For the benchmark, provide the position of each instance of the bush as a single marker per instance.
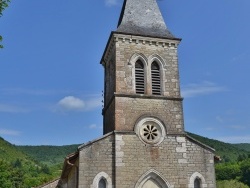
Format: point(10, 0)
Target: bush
point(230, 184)
point(228, 171)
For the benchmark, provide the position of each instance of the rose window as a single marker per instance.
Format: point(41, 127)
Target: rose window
point(150, 132)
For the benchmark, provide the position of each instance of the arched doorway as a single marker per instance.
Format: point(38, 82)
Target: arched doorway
point(152, 179)
point(151, 184)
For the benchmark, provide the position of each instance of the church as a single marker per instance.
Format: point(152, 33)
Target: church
point(144, 144)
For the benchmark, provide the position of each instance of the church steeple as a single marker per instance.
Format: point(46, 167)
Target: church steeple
point(142, 17)
point(141, 72)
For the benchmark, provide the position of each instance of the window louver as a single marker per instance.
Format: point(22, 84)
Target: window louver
point(156, 79)
point(139, 77)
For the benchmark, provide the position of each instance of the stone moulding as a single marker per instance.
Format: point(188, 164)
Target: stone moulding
point(156, 124)
point(193, 177)
point(146, 40)
point(154, 175)
point(98, 177)
point(137, 39)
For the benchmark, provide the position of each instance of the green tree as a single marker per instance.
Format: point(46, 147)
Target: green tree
point(3, 5)
point(230, 184)
point(17, 164)
point(245, 168)
point(5, 175)
point(242, 157)
point(228, 171)
point(45, 169)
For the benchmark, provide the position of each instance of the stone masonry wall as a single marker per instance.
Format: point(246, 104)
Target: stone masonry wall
point(72, 177)
point(109, 118)
point(94, 158)
point(110, 73)
point(129, 110)
point(175, 158)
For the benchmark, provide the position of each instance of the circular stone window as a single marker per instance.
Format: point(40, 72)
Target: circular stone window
point(150, 131)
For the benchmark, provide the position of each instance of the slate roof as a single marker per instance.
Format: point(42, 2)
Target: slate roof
point(142, 17)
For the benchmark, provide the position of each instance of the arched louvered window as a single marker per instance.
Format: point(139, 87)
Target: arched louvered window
point(197, 183)
point(139, 77)
point(102, 183)
point(156, 79)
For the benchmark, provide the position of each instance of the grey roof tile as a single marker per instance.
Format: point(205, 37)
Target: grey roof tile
point(142, 17)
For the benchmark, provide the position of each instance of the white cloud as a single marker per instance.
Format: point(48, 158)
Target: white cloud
point(204, 88)
point(9, 132)
point(111, 2)
point(93, 103)
point(71, 103)
point(93, 126)
point(12, 109)
point(235, 139)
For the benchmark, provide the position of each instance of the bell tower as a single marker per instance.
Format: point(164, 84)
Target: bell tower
point(141, 71)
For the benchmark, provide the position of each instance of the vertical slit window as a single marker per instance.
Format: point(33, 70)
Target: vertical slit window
point(156, 79)
point(102, 183)
point(197, 183)
point(139, 77)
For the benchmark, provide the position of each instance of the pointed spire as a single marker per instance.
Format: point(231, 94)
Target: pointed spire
point(142, 17)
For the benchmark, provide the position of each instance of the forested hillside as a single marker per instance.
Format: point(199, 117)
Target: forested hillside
point(18, 169)
point(243, 146)
point(10, 152)
point(49, 155)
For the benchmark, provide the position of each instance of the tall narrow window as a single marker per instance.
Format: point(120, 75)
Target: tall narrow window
point(102, 183)
point(156, 79)
point(197, 183)
point(139, 77)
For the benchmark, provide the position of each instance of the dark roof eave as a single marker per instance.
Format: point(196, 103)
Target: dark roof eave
point(116, 32)
point(152, 36)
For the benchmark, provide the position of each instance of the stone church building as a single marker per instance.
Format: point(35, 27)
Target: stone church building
point(144, 144)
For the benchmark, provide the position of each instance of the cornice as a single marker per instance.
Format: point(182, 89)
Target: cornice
point(137, 39)
point(139, 96)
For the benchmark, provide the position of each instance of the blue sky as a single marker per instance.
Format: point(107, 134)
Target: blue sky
point(51, 81)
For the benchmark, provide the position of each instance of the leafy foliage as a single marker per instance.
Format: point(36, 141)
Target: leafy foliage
point(243, 146)
point(3, 5)
point(19, 170)
point(11, 152)
point(228, 171)
point(245, 168)
point(230, 184)
point(49, 155)
point(238, 171)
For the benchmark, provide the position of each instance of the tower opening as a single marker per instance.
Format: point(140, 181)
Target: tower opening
point(156, 79)
point(139, 77)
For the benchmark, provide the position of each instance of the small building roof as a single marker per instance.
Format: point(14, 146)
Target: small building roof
point(142, 17)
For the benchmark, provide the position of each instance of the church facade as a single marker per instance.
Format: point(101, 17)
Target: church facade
point(144, 143)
